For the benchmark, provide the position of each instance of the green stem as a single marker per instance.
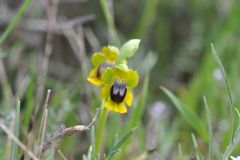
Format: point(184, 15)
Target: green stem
point(15, 21)
point(100, 128)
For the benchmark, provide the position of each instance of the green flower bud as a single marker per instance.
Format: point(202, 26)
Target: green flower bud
point(128, 49)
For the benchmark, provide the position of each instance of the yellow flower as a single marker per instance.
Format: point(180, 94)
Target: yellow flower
point(101, 61)
point(116, 90)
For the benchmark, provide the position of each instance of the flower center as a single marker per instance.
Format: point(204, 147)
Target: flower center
point(102, 67)
point(118, 91)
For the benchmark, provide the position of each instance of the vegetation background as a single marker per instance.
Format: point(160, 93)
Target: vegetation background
point(49, 43)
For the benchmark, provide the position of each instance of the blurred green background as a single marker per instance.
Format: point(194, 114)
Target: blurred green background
point(175, 52)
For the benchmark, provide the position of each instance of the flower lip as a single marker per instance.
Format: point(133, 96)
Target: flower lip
point(118, 91)
point(102, 67)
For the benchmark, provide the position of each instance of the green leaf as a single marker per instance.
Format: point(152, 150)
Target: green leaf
point(189, 116)
point(114, 149)
point(114, 143)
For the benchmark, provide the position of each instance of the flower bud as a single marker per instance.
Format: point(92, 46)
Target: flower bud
point(128, 49)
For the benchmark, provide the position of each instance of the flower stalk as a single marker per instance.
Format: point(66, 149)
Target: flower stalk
point(101, 127)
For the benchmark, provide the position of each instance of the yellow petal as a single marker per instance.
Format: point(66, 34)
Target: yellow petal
point(105, 91)
point(93, 72)
point(131, 78)
point(107, 76)
point(92, 77)
point(120, 108)
point(97, 59)
point(96, 81)
point(119, 73)
point(110, 53)
point(127, 75)
point(128, 98)
point(109, 104)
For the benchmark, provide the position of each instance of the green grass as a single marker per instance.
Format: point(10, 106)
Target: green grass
point(194, 121)
point(16, 130)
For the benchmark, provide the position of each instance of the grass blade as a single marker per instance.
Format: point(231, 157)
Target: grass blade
point(110, 22)
point(231, 146)
point(148, 14)
point(16, 131)
point(234, 142)
point(61, 155)
point(198, 154)
point(210, 129)
point(15, 21)
point(190, 117)
point(227, 88)
point(138, 110)
point(43, 123)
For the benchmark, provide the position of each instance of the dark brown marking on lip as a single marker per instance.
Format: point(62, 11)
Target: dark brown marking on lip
point(118, 92)
point(102, 67)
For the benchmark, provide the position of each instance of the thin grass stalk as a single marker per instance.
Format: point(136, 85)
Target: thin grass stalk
point(148, 14)
point(9, 143)
point(43, 123)
point(51, 15)
point(231, 146)
point(15, 21)
point(110, 21)
point(227, 88)
point(236, 140)
point(61, 155)
point(180, 152)
point(197, 152)
point(210, 129)
point(16, 130)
